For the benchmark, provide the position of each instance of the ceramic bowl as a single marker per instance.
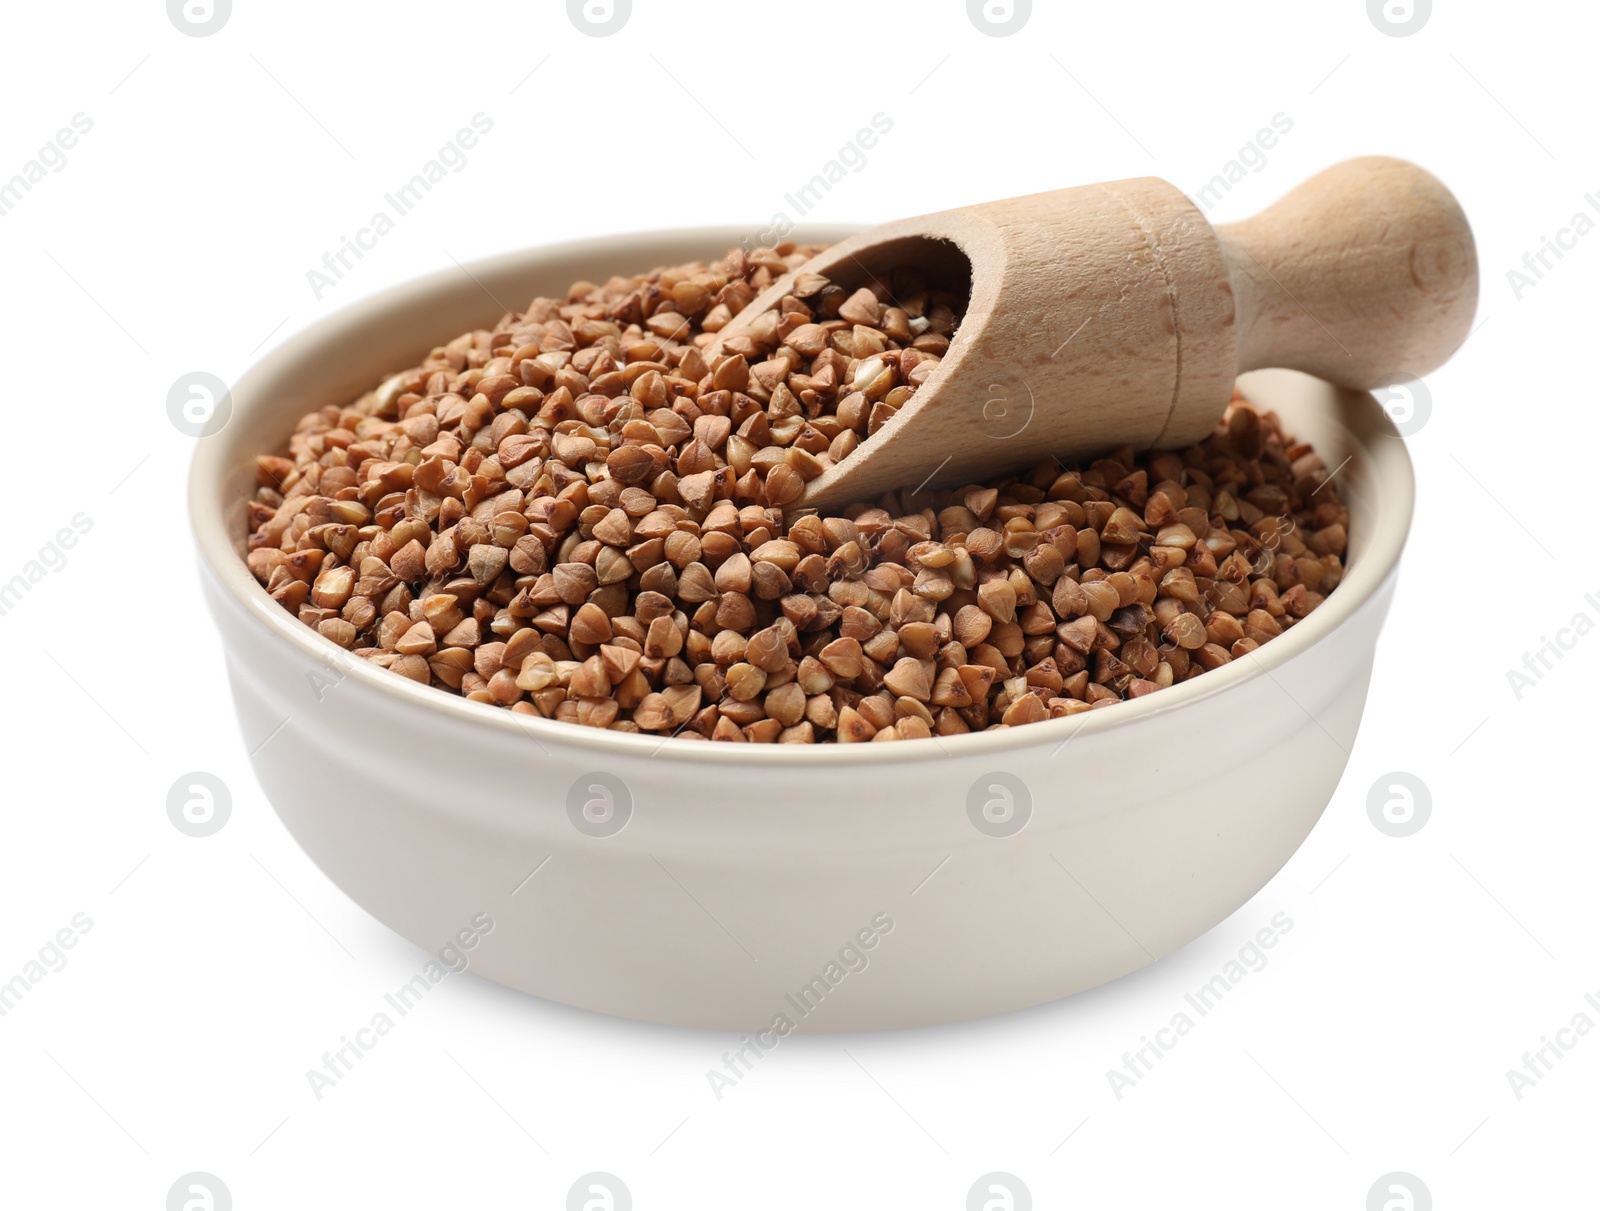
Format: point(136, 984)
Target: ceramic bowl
point(775, 888)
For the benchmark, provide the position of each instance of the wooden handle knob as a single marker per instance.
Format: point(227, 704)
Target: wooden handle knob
point(1363, 275)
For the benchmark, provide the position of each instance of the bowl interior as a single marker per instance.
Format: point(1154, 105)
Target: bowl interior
point(346, 354)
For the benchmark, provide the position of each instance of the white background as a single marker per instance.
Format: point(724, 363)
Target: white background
point(177, 238)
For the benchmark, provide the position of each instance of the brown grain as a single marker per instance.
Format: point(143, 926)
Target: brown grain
point(581, 514)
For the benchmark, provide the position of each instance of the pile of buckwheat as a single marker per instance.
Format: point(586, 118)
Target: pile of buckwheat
point(577, 515)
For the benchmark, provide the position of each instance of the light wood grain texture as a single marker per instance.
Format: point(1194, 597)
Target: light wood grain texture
point(1115, 313)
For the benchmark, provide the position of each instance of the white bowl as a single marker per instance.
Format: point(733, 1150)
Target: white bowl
point(745, 874)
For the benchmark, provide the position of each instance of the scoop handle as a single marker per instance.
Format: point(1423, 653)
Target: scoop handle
point(1364, 275)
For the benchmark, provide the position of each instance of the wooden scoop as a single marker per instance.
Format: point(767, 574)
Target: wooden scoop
point(1116, 314)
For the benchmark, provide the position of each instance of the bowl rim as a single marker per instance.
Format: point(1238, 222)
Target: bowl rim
point(1368, 427)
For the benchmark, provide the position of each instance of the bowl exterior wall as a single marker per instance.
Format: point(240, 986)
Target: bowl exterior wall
point(723, 899)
